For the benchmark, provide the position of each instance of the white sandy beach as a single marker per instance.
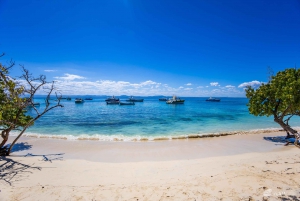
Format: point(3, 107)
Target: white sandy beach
point(238, 167)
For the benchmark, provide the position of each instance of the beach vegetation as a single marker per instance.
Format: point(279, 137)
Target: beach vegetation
point(16, 97)
point(279, 97)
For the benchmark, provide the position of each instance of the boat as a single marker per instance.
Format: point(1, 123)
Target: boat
point(213, 99)
point(131, 99)
point(79, 100)
point(113, 102)
point(162, 99)
point(88, 99)
point(30, 103)
point(175, 100)
point(127, 103)
point(69, 98)
point(112, 99)
point(33, 105)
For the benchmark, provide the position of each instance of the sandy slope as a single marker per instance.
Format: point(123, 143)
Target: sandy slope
point(244, 167)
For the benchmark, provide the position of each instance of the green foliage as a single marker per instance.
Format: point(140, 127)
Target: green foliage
point(280, 97)
point(12, 105)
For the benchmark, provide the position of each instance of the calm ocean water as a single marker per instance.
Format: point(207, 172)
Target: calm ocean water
point(151, 119)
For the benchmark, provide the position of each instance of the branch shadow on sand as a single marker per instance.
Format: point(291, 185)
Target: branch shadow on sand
point(14, 170)
point(278, 139)
point(47, 157)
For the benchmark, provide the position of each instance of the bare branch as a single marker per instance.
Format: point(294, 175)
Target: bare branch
point(287, 120)
point(14, 90)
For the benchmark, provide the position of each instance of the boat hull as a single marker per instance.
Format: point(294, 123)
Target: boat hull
point(175, 102)
point(78, 101)
point(129, 103)
point(135, 100)
point(213, 100)
point(112, 102)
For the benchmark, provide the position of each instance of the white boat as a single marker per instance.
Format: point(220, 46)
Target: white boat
point(112, 99)
point(175, 100)
point(79, 100)
point(213, 99)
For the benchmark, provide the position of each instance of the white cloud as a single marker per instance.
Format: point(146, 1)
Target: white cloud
point(230, 86)
point(50, 70)
point(70, 77)
point(188, 84)
point(253, 84)
point(215, 84)
point(70, 84)
point(149, 82)
point(110, 87)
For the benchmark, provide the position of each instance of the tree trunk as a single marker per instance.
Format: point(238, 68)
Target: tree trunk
point(289, 129)
point(13, 143)
point(5, 135)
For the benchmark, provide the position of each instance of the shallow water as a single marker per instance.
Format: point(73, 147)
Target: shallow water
point(151, 119)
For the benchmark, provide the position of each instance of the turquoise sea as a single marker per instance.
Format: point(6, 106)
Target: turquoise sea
point(148, 120)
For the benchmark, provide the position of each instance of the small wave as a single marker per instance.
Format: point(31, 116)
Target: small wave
point(136, 138)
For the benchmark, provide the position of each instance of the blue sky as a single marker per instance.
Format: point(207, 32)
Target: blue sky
point(149, 47)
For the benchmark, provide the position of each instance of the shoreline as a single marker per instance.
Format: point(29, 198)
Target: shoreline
point(236, 167)
point(97, 137)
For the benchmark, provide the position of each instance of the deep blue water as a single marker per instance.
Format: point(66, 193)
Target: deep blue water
point(149, 119)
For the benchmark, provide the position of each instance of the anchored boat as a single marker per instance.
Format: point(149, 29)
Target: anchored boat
point(175, 100)
point(79, 100)
point(131, 99)
point(213, 99)
point(112, 99)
